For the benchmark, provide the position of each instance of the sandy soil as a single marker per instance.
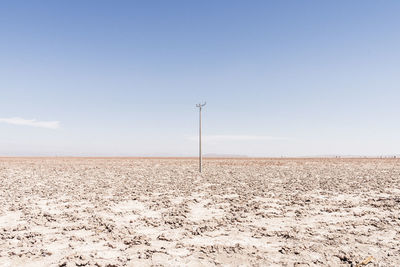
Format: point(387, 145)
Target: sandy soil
point(133, 212)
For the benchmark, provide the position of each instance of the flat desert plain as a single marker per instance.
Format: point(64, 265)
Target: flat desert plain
point(162, 212)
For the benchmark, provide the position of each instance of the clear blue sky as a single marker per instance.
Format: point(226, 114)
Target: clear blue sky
point(287, 78)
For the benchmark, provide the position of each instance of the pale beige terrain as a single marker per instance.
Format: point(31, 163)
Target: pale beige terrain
point(161, 212)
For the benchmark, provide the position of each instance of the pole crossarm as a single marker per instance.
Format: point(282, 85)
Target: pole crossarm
point(201, 105)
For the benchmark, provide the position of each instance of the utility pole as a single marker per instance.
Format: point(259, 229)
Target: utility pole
point(200, 106)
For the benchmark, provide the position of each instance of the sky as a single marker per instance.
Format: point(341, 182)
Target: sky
point(122, 78)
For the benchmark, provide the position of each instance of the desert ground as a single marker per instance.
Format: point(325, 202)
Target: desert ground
point(162, 212)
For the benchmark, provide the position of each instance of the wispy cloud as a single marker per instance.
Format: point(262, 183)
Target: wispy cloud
point(215, 138)
point(33, 123)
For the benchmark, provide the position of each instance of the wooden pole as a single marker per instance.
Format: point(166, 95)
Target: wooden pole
point(200, 106)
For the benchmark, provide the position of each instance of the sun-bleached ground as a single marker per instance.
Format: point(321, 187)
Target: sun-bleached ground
point(140, 212)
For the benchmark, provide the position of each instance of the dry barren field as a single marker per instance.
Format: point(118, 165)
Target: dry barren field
point(141, 212)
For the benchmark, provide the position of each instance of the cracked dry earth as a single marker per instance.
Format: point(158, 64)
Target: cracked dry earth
point(161, 212)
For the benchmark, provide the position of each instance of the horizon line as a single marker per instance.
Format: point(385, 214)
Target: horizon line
point(214, 157)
